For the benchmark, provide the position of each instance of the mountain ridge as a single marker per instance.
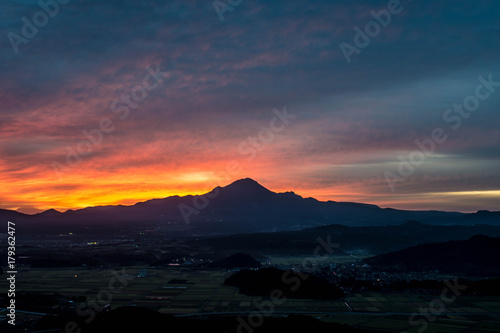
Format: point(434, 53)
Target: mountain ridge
point(242, 206)
point(469, 257)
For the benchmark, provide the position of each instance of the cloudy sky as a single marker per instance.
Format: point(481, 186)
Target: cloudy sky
point(119, 101)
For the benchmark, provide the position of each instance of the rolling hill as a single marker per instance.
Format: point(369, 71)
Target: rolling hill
point(474, 257)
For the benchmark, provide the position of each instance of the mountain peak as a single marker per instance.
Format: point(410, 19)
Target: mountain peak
point(246, 185)
point(413, 223)
point(480, 239)
point(49, 213)
point(244, 181)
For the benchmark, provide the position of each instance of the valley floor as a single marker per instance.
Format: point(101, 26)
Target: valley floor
point(187, 291)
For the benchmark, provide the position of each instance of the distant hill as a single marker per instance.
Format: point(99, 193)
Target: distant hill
point(241, 207)
point(477, 256)
point(290, 284)
point(238, 260)
point(371, 239)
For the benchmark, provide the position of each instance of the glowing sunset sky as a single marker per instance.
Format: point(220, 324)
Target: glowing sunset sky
point(219, 84)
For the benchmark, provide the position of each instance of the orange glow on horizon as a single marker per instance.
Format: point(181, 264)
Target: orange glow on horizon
point(91, 185)
point(109, 192)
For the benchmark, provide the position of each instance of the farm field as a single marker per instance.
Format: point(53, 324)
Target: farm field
point(332, 259)
point(188, 291)
point(465, 314)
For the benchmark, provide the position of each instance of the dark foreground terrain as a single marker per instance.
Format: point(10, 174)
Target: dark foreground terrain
point(134, 319)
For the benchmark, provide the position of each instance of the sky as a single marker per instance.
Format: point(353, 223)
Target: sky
point(120, 101)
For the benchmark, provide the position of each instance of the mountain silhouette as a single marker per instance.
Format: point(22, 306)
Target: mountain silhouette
point(246, 186)
point(240, 207)
point(463, 257)
point(49, 213)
